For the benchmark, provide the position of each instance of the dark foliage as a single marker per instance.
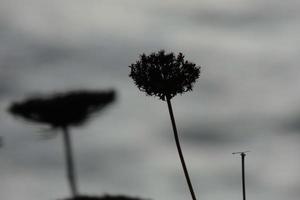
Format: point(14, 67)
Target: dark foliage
point(162, 74)
point(106, 197)
point(63, 109)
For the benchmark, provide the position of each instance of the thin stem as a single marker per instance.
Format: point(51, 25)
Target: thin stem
point(70, 167)
point(243, 175)
point(179, 149)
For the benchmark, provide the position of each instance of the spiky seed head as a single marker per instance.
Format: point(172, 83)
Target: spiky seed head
point(164, 74)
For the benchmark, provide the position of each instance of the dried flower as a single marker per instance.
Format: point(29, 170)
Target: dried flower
point(162, 74)
point(63, 110)
point(165, 75)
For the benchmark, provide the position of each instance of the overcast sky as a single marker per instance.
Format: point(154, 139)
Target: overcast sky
point(247, 97)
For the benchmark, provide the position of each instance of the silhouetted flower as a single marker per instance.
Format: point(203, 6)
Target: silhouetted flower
point(63, 110)
point(162, 74)
point(165, 75)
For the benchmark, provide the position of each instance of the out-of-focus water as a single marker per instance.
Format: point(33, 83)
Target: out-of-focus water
point(247, 98)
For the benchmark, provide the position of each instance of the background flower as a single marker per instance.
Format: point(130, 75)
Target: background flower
point(63, 110)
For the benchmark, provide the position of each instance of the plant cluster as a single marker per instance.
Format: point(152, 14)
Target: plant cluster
point(159, 74)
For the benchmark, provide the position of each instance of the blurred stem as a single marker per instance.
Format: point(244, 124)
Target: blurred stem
point(70, 167)
point(243, 175)
point(179, 148)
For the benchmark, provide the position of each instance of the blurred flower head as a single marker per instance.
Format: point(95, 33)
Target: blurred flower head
point(63, 109)
point(164, 74)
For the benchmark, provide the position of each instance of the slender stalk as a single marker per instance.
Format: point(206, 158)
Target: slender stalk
point(179, 149)
point(70, 167)
point(243, 175)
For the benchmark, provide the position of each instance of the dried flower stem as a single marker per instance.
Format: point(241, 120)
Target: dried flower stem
point(179, 148)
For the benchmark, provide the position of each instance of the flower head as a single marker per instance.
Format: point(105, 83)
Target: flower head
point(63, 109)
point(164, 75)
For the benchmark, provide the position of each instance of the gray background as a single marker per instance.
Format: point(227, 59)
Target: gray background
point(247, 98)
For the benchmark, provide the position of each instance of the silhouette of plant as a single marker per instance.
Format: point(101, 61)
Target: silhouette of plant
point(243, 155)
point(165, 75)
point(60, 111)
point(106, 197)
